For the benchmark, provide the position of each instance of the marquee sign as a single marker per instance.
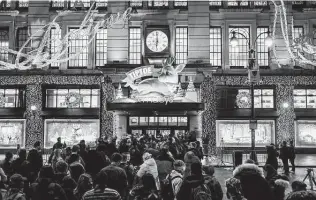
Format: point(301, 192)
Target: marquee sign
point(157, 85)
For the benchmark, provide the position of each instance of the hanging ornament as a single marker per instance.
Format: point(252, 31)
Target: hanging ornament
point(243, 100)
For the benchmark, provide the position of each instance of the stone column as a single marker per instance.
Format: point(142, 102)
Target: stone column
point(107, 95)
point(209, 114)
point(285, 130)
point(34, 121)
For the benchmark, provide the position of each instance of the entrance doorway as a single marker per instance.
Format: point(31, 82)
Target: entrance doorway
point(159, 127)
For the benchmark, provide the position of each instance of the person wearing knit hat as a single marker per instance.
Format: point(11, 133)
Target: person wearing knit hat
point(16, 185)
point(176, 177)
point(298, 186)
point(212, 183)
point(192, 182)
point(302, 195)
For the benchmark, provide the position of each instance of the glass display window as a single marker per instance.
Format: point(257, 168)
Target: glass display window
point(305, 133)
point(153, 121)
point(236, 133)
point(182, 121)
point(172, 121)
point(12, 132)
point(71, 131)
point(304, 98)
point(143, 121)
point(163, 121)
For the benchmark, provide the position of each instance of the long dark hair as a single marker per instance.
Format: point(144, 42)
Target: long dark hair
point(45, 178)
point(149, 182)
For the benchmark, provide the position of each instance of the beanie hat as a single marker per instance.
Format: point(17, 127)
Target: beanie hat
point(298, 186)
point(178, 164)
point(302, 195)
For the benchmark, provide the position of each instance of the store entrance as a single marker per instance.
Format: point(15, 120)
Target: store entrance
point(159, 127)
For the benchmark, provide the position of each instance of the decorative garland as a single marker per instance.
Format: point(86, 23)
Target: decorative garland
point(72, 99)
point(240, 100)
point(2, 100)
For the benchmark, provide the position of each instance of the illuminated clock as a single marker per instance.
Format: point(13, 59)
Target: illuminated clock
point(157, 41)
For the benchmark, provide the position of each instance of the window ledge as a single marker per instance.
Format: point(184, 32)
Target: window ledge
point(158, 11)
point(240, 9)
point(9, 12)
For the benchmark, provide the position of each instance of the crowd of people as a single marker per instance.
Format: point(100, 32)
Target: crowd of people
point(134, 169)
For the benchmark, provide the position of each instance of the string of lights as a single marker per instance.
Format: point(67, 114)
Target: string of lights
point(40, 57)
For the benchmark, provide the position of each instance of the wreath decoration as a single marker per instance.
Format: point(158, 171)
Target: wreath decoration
point(72, 99)
point(2, 100)
point(243, 100)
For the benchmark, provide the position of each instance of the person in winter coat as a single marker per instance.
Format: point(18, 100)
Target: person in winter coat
point(234, 190)
point(272, 158)
point(61, 171)
point(284, 156)
point(292, 155)
point(56, 157)
point(279, 187)
point(176, 176)
point(149, 167)
point(45, 187)
point(302, 195)
point(189, 159)
point(69, 185)
point(146, 190)
point(15, 191)
point(164, 163)
point(212, 183)
point(6, 165)
point(76, 168)
point(253, 184)
point(270, 173)
point(191, 182)
point(84, 184)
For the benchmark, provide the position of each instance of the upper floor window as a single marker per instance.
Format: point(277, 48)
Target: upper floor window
point(298, 31)
point(101, 3)
point(314, 34)
point(214, 3)
point(72, 4)
point(78, 43)
point(5, 4)
point(4, 43)
point(135, 53)
point(79, 3)
point(158, 3)
point(72, 98)
point(12, 98)
point(136, 3)
point(239, 54)
point(234, 3)
point(180, 3)
point(22, 38)
point(181, 45)
point(216, 46)
point(55, 37)
point(101, 48)
point(304, 98)
point(23, 4)
point(262, 48)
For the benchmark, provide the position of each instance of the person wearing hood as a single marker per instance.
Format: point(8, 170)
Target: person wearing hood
point(45, 187)
point(302, 195)
point(164, 162)
point(149, 167)
point(212, 183)
point(191, 182)
point(253, 184)
point(189, 159)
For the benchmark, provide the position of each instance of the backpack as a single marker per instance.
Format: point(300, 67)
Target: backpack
point(13, 197)
point(166, 188)
point(202, 192)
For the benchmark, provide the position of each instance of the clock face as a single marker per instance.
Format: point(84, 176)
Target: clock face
point(157, 41)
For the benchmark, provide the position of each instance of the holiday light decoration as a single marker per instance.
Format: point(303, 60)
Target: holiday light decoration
point(301, 49)
point(92, 23)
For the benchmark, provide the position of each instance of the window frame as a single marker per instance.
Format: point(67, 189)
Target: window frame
point(264, 46)
point(221, 45)
point(7, 45)
point(85, 87)
point(51, 46)
point(239, 37)
point(181, 6)
point(87, 49)
point(140, 61)
point(306, 96)
point(187, 44)
point(105, 56)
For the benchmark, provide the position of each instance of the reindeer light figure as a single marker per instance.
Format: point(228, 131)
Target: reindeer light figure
point(165, 84)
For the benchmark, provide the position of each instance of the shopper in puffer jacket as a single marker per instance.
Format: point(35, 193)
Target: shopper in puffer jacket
point(189, 159)
point(149, 167)
point(253, 184)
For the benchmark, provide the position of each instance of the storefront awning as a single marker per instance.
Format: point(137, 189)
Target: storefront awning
point(162, 107)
